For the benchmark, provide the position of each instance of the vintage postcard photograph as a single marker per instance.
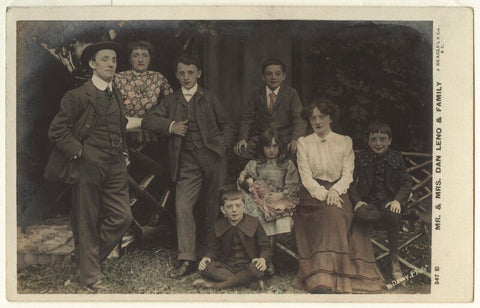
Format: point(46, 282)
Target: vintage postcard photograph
point(265, 154)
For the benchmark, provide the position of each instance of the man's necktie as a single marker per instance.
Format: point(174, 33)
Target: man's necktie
point(271, 103)
point(108, 93)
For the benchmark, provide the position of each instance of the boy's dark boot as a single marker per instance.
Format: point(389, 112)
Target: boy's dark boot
point(396, 269)
point(393, 233)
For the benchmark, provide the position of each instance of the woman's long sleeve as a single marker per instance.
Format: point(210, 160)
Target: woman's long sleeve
point(311, 185)
point(347, 168)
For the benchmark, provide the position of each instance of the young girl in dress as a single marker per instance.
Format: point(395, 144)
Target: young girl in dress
point(270, 186)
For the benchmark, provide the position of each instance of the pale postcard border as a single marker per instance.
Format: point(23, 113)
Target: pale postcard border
point(452, 246)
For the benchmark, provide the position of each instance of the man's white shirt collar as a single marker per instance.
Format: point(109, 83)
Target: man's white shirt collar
point(189, 93)
point(101, 84)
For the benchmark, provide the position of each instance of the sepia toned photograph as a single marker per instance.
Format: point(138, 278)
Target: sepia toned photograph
point(274, 157)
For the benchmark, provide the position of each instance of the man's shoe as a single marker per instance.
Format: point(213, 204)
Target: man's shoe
point(187, 267)
point(98, 287)
point(396, 269)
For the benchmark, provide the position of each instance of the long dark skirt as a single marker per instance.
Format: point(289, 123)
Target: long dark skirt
point(334, 254)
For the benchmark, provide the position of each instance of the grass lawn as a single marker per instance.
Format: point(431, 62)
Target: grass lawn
point(145, 270)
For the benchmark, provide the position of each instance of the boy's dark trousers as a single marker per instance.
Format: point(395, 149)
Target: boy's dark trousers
point(227, 276)
point(381, 218)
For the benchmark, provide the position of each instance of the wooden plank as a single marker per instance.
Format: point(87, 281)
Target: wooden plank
point(147, 163)
point(419, 185)
point(413, 168)
point(385, 254)
point(146, 197)
point(414, 154)
point(286, 250)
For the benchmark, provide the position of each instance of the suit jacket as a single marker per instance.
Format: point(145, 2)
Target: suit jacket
point(251, 234)
point(397, 179)
point(285, 117)
point(71, 126)
point(215, 127)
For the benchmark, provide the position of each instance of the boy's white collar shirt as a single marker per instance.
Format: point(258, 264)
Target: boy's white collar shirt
point(101, 84)
point(189, 93)
point(270, 91)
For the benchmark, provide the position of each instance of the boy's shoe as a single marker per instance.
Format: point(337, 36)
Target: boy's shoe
point(202, 283)
point(257, 285)
point(98, 287)
point(270, 271)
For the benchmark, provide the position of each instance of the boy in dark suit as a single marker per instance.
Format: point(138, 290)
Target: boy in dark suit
point(199, 132)
point(89, 134)
point(272, 105)
point(381, 187)
point(239, 251)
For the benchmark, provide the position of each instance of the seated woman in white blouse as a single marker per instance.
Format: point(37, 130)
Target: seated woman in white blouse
point(334, 254)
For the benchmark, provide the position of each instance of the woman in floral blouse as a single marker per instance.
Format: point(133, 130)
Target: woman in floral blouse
point(139, 87)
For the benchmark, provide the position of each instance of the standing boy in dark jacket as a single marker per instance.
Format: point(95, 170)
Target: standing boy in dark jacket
point(272, 105)
point(199, 132)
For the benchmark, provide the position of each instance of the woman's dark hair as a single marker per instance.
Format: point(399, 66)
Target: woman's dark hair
point(265, 139)
point(325, 105)
point(139, 45)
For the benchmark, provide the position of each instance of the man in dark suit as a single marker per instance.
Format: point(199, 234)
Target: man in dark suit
point(199, 132)
point(89, 153)
point(272, 105)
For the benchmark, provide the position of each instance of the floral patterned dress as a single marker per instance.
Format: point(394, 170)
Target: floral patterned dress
point(141, 90)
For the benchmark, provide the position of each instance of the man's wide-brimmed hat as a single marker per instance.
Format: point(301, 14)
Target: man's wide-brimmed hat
point(91, 49)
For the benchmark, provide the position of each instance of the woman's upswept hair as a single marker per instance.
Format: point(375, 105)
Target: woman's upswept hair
point(325, 105)
point(139, 45)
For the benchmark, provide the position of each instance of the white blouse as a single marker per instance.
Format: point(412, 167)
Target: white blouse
point(329, 159)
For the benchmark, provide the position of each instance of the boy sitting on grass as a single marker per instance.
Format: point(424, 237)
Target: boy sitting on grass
point(239, 253)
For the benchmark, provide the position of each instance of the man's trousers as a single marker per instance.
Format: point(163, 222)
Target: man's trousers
point(100, 214)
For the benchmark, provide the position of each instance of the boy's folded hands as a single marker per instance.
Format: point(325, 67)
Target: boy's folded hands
point(260, 264)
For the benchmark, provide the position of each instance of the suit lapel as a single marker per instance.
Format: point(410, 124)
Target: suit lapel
point(280, 97)
point(180, 110)
point(91, 93)
point(262, 97)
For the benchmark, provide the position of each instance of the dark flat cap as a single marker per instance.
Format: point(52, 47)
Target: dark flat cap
point(91, 49)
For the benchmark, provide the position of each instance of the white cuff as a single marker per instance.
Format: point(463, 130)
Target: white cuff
point(170, 127)
point(320, 193)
